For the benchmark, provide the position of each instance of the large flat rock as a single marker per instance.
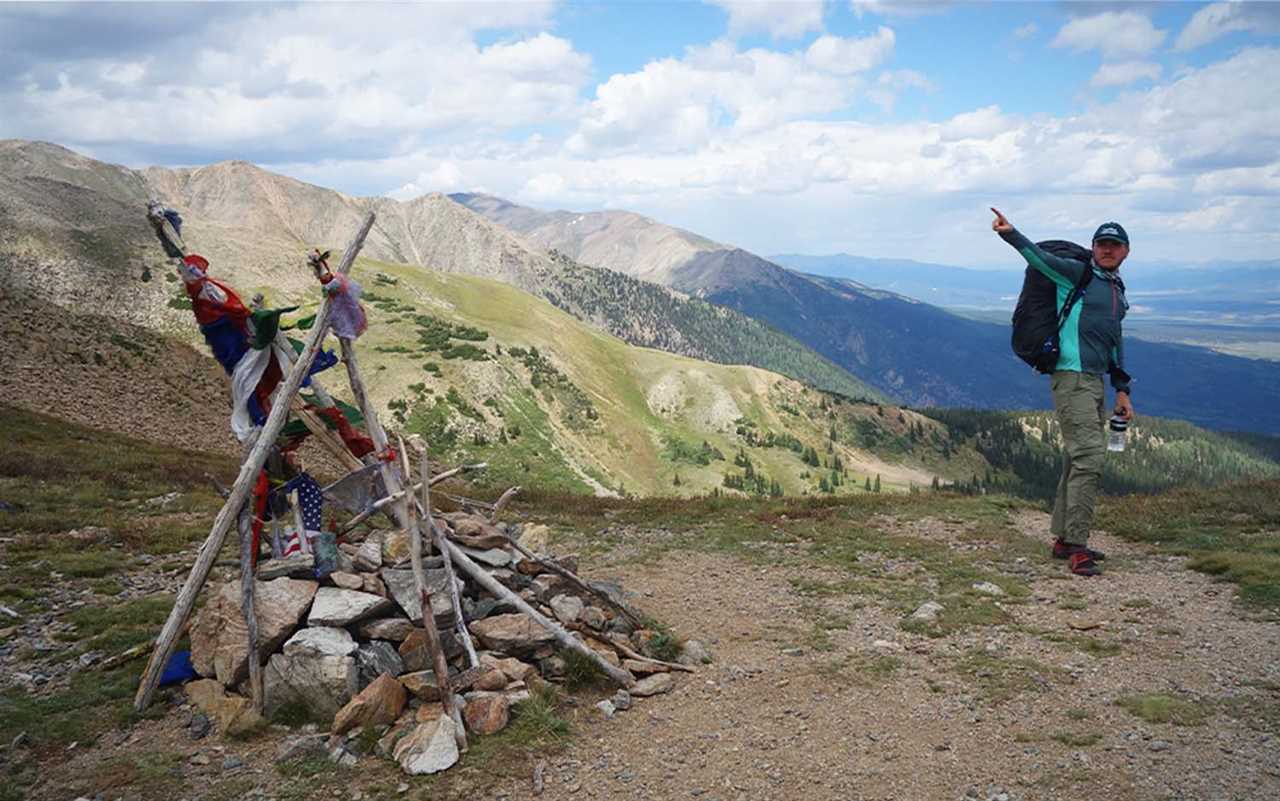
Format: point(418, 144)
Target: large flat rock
point(334, 606)
point(316, 671)
point(404, 590)
point(511, 634)
point(219, 638)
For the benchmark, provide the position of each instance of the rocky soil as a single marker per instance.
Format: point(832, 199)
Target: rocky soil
point(828, 696)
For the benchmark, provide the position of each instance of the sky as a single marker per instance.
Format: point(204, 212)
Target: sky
point(873, 128)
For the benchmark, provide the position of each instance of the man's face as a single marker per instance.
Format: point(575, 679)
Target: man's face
point(1109, 254)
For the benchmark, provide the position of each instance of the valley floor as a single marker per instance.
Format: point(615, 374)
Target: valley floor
point(1152, 682)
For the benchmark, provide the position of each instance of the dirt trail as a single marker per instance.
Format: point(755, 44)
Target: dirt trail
point(760, 724)
point(1024, 710)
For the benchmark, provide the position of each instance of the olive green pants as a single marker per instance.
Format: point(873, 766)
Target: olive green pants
point(1078, 400)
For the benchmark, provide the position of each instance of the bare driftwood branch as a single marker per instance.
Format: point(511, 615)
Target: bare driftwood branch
point(460, 623)
point(631, 653)
point(438, 663)
point(562, 636)
point(572, 578)
point(502, 502)
point(249, 468)
point(459, 470)
point(247, 582)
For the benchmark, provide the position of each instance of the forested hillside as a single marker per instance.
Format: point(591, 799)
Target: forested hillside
point(1025, 452)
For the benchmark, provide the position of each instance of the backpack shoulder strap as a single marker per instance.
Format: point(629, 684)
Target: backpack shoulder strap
point(1077, 292)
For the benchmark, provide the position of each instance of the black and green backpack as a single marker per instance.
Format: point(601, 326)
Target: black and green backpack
point(1037, 321)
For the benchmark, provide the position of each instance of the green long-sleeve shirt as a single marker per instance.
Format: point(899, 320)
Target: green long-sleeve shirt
point(1091, 339)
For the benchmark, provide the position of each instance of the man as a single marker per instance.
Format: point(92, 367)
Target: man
point(1091, 344)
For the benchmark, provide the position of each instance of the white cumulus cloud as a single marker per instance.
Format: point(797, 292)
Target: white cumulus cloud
point(842, 56)
point(1219, 19)
point(679, 104)
point(1113, 33)
point(1123, 73)
point(781, 19)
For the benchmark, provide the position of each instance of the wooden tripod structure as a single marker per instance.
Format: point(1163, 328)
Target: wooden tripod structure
point(399, 504)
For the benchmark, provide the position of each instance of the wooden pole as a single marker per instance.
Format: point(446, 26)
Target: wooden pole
point(247, 588)
point(439, 664)
point(460, 623)
point(249, 469)
point(563, 637)
point(502, 503)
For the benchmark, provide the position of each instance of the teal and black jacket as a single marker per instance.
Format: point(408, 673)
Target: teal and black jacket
point(1091, 338)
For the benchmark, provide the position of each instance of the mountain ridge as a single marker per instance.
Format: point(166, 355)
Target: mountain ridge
point(927, 356)
point(243, 218)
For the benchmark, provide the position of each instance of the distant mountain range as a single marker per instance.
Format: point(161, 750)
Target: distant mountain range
point(1234, 293)
point(497, 348)
point(914, 351)
point(73, 235)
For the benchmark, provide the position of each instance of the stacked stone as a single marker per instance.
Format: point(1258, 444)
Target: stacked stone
point(350, 648)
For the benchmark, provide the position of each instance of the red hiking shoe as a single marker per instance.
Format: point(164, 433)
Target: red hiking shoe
point(1082, 564)
point(1062, 550)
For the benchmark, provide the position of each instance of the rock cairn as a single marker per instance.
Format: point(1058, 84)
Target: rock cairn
point(350, 648)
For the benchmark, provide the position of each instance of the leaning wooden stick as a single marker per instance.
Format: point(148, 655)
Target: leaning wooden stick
point(460, 623)
point(631, 653)
point(502, 503)
point(563, 637)
point(572, 578)
point(382, 503)
point(247, 588)
point(249, 469)
point(438, 663)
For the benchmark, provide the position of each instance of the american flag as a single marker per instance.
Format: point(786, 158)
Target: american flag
point(311, 502)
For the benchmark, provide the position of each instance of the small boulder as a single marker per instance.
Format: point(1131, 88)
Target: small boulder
point(535, 537)
point(298, 566)
point(988, 588)
point(487, 713)
point(547, 586)
point(301, 747)
point(928, 611)
point(511, 634)
point(429, 748)
point(368, 557)
point(567, 608)
point(493, 679)
point(594, 617)
point(694, 653)
point(493, 557)
point(379, 704)
point(416, 652)
point(513, 669)
point(394, 629)
point(404, 589)
point(422, 684)
point(347, 581)
point(376, 658)
point(233, 714)
point(652, 685)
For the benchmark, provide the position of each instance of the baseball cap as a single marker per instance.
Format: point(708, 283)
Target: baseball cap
point(1113, 231)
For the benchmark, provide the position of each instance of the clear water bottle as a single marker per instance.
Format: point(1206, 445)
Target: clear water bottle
point(1119, 427)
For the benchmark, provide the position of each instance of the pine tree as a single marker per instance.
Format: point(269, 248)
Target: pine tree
point(867, 485)
point(877, 487)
